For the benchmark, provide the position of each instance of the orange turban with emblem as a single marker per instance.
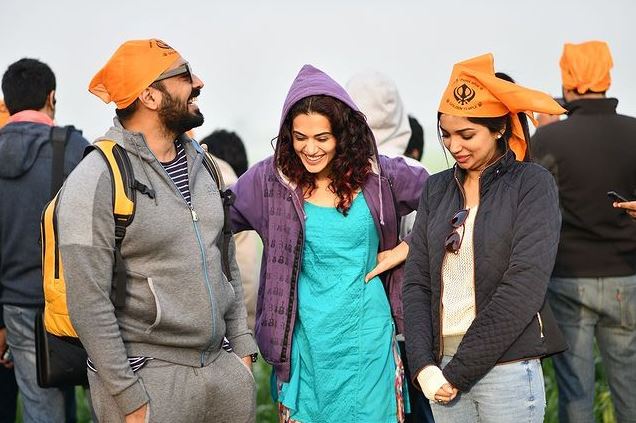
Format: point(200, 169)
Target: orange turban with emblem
point(475, 91)
point(586, 67)
point(4, 114)
point(132, 68)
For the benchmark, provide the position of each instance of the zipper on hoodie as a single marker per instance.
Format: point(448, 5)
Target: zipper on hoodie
point(195, 220)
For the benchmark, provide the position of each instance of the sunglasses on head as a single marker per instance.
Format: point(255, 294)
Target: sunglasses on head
point(454, 240)
point(180, 70)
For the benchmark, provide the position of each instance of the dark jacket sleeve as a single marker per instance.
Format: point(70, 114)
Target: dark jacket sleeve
point(416, 295)
point(522, 289)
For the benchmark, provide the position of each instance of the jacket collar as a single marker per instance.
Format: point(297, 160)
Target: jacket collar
point(492, 172)
point(593, 106)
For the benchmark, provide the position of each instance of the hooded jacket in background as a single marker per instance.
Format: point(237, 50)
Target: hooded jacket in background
point(269, 203)
point(378, 98)
point(25, 188)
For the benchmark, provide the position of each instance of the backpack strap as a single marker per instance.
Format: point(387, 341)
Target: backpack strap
point(124, 196)
point(228, 199)
point(59, 136)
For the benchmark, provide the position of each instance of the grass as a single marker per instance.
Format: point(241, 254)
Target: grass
point(266, 410)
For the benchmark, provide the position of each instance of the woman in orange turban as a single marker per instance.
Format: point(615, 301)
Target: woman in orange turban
point(484, 243)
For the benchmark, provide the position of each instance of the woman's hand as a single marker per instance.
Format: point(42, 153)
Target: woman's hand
point(388, 259)
point(446, 394)
point(628, 206)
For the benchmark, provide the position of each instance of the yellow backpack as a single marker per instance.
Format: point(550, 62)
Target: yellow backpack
point(61, 359)
point(56, 318)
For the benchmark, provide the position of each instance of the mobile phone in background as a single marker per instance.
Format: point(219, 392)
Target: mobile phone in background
point(616, 197)
point(7, 356)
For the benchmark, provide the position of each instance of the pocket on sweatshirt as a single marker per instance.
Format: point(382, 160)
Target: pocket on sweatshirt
point(228, 294)
point(157, 307)
point(143, 311)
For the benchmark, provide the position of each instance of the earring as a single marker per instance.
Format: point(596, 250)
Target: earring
point(498, 136)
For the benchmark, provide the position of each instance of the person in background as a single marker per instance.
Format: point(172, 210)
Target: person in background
point(326, 206)
point(8, 385)
point(629, 206)
point(378, 98)
point(593, 285)
point(228, 147)
point(484, 242)
point(415, 146)
point(29, 89)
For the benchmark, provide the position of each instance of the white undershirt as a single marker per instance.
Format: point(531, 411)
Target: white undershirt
point(458, 300)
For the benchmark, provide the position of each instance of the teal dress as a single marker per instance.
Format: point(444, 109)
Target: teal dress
point(342, 360)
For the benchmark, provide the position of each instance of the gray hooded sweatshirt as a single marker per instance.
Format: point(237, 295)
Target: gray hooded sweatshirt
point(179, 305)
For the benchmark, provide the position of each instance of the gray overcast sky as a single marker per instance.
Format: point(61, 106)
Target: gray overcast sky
point(248, 52)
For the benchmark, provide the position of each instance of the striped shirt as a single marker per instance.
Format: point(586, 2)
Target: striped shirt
point(178, 171)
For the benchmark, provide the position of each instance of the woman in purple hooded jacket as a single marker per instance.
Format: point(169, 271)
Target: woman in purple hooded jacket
point(327, 208)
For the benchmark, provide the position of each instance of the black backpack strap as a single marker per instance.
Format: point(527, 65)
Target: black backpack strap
point(228, 199)
point(59, 136)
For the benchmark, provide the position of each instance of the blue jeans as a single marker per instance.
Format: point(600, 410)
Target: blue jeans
point(40, 405)
point(512, 392)
point(605, 309)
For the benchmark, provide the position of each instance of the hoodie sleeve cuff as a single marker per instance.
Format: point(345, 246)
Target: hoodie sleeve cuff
point(244, 345)
point(431, 379)
point(131, 398)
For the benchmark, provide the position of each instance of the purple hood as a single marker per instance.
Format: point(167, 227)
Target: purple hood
point(312, 81)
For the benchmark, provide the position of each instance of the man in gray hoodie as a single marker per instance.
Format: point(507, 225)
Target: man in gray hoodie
point(26, 154)
point(159, 358)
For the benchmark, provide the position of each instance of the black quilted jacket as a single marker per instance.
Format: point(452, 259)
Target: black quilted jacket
point(515, 243)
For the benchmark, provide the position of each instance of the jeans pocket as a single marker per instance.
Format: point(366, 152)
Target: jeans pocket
point(626, 297)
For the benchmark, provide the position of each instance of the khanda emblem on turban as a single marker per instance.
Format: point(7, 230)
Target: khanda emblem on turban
point(164, 45)
point(463, 94)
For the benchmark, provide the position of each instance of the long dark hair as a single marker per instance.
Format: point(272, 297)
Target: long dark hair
point(497, 124)
point(354, 148)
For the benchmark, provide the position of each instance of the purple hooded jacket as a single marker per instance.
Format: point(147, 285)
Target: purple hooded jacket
point(269, 203)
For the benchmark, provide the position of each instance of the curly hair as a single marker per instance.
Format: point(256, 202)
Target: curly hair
point(354, 148)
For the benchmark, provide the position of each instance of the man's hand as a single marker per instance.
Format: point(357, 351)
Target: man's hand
point(138, 416)
point(628, 206)
point(388, 259)
point(3, 349)
point(247, 362)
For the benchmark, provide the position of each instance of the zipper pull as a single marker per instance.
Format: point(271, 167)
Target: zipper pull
point(195, 218)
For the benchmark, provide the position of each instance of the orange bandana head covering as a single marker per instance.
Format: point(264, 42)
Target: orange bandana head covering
point(4, 114)
point(475, 91)
point(586, 67)
point(134, 66)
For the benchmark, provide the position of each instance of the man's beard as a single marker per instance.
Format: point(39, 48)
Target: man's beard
point(175, 115)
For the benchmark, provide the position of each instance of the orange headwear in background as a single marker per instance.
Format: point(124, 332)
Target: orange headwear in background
point(475, 91)
point(134, 66)
point(586, 67)
point(4, 114)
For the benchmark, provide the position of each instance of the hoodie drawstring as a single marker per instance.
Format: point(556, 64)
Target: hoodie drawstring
point(381, 205)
